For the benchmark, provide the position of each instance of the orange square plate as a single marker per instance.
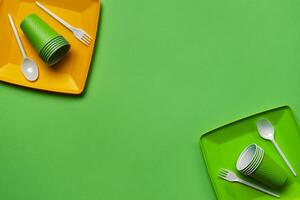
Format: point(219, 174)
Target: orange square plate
point(69, 76)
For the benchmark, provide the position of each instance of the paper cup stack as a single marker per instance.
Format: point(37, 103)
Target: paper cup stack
point(50, 46)
point(250, 159)
point(255, 163)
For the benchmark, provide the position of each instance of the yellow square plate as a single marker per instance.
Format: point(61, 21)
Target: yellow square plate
point(69, 76)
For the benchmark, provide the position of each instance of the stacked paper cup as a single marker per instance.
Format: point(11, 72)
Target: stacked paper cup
point(50, 46)
point(254, 162)
point(249, 159)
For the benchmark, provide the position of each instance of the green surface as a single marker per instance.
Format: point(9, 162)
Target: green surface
point(222, 147)
point(164, 72)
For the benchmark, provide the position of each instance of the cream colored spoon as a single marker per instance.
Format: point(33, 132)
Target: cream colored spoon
point(29, 67)
point(266, 131)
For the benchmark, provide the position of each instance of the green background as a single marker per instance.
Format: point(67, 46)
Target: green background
point(164, 73)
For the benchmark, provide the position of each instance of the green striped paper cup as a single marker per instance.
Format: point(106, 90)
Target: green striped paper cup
point(50, 46)
point(270, 173)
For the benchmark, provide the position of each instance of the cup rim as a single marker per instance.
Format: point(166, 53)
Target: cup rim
point(57, 59)
point(256, 165)
point(51, 46)
point(246, 157)
point(53, 49)
point(50, 54)
point(58, 38)
point(253, 162)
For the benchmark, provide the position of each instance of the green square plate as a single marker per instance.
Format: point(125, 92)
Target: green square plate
point(221, 148)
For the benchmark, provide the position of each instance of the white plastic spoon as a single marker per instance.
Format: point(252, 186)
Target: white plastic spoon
point(266, 131)
point(29, 68)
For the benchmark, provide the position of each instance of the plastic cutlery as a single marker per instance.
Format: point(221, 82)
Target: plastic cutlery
point(78, 33)
point(232, 177)
point(266, 131)
point(29, 67)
